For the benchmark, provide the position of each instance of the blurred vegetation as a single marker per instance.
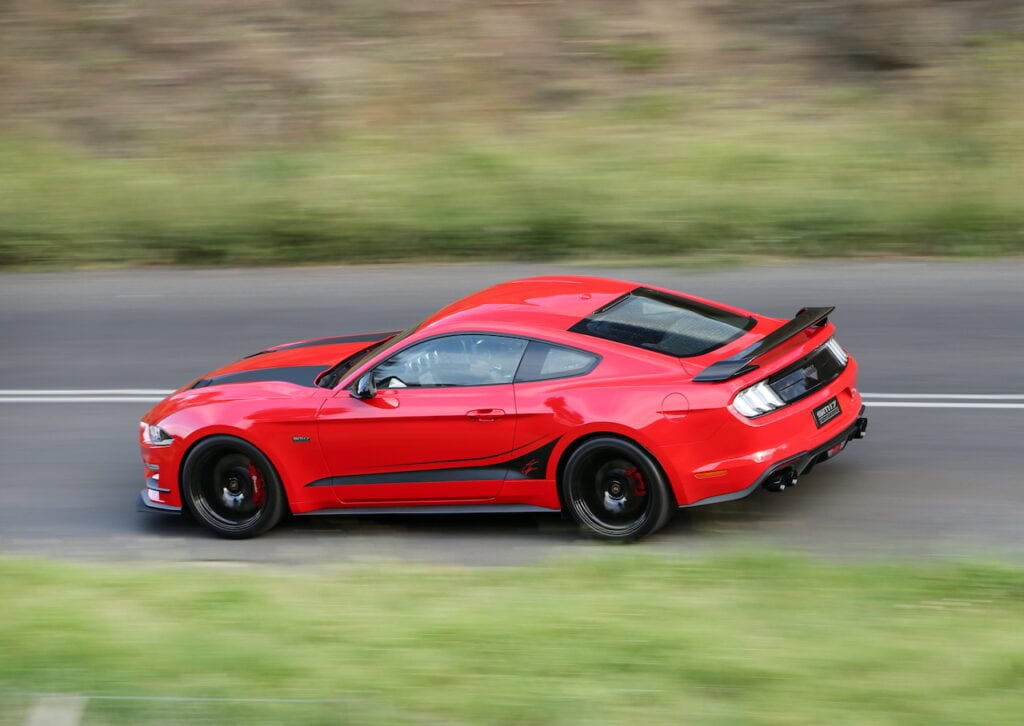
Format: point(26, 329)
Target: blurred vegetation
point(372, 131)
point(618, 637)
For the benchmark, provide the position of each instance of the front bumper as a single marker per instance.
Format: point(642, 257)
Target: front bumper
point(160, 474)
point(798, 464)
point(152, 499)
point(146, 502)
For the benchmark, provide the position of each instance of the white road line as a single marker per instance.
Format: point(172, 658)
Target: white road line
point(79, 399)
point(939, 404)
point(874, 400)
point(167, 391)
point(86, 392)
point(951, 396)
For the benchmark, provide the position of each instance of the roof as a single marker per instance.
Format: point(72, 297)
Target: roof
point(545, 304)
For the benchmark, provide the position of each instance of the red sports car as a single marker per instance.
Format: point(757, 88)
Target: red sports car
point(612, 401)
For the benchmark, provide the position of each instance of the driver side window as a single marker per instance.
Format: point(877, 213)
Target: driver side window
point(453, 360)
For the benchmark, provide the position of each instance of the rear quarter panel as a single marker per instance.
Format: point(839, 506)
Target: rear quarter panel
point(640, 398)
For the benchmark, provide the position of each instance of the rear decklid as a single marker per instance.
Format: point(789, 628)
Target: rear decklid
point(745, 361)
point(792, 361)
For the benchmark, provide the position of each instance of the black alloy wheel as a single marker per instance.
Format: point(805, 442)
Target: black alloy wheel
point(615, 490)
point(231, 488)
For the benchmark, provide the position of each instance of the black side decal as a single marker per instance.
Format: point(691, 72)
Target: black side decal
point(299, 375)
point(531, 465)
point(428, 476)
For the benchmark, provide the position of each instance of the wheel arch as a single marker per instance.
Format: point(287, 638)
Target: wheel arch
point(574, 444)
point(227, 435)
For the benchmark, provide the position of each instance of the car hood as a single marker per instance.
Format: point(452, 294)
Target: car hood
point(276, 372)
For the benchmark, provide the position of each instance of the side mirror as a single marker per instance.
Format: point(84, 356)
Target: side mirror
point(365, 387)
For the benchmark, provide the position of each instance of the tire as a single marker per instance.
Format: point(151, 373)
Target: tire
point(615, 490)
point(232, 488)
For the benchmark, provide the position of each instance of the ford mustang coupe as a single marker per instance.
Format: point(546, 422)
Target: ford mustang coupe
point(608, 400)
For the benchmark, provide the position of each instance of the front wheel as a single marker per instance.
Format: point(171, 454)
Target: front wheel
point(231, 488)
point(615, 490)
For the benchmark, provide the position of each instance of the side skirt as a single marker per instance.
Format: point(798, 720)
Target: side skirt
point(431, 509)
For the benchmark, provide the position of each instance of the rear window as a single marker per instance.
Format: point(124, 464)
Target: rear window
point(664, 323)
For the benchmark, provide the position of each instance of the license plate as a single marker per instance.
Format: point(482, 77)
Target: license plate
point(826, 412)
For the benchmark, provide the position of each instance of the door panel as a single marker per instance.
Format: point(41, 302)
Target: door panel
point(418, 445)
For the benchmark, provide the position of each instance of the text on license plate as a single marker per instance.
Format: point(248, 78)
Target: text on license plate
point(826, 412)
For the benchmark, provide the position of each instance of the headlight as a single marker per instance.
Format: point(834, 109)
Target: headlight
point(154, 435)
point(756, 400)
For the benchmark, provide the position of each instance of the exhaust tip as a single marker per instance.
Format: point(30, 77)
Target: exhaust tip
point(780, 480)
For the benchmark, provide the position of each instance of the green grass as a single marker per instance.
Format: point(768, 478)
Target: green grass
point(665, 176)
point(618, 637)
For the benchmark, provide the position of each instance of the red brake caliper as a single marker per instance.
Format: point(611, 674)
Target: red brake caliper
point(258, 490)
point(639, 485)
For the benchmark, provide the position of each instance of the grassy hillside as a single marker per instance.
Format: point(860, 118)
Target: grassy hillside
point(347, 130)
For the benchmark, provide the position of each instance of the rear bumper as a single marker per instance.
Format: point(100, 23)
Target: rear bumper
point(799, 464)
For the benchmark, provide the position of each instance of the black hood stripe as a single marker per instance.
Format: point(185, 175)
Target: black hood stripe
point(531, 465)
point(299, 375)
point(363, 338)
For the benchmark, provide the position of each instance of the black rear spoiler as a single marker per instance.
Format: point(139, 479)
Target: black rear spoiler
point(741, 363)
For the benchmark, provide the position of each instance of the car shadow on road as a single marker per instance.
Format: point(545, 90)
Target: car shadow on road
point(457, 537)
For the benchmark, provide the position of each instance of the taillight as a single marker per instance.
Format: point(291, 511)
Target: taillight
point(757, 400)
point(798, 380)
point(837, 351)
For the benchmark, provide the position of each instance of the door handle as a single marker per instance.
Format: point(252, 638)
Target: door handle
point(485, 414)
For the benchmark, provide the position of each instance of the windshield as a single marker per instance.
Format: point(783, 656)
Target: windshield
point(330, 378)
point(664, 323)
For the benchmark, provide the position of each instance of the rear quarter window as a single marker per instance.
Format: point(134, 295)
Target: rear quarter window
point(546, 361)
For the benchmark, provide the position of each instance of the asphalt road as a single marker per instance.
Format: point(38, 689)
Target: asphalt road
point(928, 480)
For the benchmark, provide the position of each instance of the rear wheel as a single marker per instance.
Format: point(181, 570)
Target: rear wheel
point(615, 490)
point(231, 488)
